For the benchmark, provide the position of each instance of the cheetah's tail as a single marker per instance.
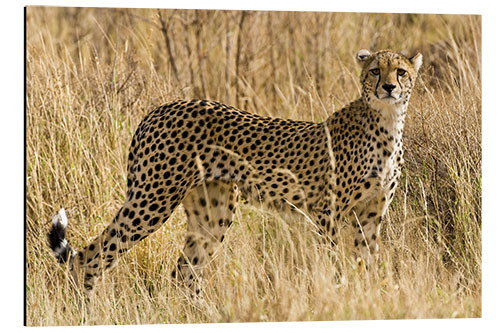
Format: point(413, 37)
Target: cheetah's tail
point(57, 237)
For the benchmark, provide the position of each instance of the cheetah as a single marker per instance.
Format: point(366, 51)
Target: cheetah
point(203, 153)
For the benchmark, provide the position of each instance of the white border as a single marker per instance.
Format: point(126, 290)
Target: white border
point(11, 138)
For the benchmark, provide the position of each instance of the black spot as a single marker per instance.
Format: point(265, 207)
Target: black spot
point(154, 221)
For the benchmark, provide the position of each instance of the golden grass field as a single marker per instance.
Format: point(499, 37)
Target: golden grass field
point(93, 74)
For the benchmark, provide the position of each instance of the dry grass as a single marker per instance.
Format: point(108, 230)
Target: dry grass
point(92, 74)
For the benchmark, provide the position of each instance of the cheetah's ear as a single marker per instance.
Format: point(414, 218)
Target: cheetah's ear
point(363, 55)
point(416, 61)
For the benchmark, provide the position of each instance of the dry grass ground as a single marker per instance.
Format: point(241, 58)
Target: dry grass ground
point(92, 74)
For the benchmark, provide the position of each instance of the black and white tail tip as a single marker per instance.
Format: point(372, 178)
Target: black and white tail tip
point(57, 237)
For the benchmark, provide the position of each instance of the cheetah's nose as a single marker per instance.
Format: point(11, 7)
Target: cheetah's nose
point(388, 87)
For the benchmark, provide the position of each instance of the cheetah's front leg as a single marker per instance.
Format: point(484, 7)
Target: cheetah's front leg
point(367, 218)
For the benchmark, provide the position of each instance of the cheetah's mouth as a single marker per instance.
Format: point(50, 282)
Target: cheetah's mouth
point(390, 98)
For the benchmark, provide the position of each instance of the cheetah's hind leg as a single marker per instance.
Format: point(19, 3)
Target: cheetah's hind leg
point(209, 209)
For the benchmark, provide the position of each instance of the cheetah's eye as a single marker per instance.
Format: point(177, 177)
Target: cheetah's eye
point(375, 71)
point(401, 72)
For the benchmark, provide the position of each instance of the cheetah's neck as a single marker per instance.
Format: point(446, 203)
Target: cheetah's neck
point(392, 117)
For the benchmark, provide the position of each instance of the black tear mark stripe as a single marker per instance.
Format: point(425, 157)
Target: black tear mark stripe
point(400, 86)
point(376, 86)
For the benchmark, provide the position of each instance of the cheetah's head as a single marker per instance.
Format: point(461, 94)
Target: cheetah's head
point(387, 77)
